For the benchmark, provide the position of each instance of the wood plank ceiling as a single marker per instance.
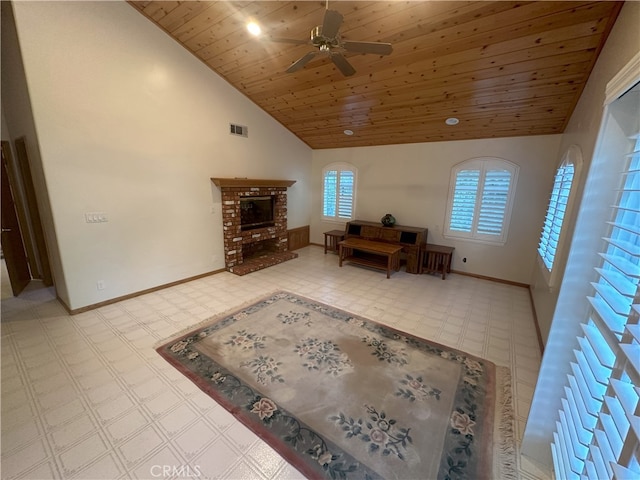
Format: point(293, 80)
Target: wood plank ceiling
point(502, 68)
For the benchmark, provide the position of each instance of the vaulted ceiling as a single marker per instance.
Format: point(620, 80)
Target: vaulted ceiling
point(502, 68)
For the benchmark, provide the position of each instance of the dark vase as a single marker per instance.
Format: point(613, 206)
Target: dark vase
point(388, 220)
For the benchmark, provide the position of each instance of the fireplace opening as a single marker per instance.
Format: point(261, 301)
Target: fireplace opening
point(256, 212)
point(251, 251)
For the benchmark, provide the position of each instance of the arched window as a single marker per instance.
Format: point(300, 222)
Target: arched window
point(338, 192)
point(480, 199)
point(559, 203)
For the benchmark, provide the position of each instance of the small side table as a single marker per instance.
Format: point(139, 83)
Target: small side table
point(331, 239)
point(436, 259)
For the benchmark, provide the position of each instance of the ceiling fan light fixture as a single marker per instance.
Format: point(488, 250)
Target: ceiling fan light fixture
point(452, 121)
point(348, 132)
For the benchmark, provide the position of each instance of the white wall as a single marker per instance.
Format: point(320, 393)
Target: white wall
point(412, 182)
point(132, 125)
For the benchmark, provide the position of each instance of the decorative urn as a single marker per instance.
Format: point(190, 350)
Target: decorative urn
point(388, 220)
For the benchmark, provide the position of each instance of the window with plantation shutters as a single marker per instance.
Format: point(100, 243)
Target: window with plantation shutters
point(557, 209)
point(338, 198)
point(598, 427)
point(480, 199)
point(555, 215)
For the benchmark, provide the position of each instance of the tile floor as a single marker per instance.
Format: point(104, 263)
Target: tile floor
point(87, 397)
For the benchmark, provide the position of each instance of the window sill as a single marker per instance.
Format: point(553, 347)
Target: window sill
point(475, 240)
point(339, 221)
point(547, 276)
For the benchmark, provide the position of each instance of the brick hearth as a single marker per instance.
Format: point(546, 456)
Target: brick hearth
point(241, 253)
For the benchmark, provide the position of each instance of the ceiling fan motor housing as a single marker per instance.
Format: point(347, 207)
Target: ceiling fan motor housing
point(319, 40)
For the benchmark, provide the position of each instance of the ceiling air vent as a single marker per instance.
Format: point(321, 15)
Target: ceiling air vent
point(240, 130)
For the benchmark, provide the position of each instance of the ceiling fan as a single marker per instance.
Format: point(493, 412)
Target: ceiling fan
point(326, 38)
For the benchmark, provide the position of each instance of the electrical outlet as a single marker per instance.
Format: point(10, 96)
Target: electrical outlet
point(100, 285)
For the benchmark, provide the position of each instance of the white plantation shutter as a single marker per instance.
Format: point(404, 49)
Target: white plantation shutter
point(480, 200)
point(338, 200)
point(464, 200)
point(554, 218)
point(598, 430)
point(346, 184)
point(330, 193)
point(495, 196)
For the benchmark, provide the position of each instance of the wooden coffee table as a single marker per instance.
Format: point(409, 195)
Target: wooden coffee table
point(380, 255)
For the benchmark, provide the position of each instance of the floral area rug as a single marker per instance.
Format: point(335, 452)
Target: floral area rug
point(343, 397)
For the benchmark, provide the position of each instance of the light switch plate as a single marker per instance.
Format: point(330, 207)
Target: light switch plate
point(96, 217)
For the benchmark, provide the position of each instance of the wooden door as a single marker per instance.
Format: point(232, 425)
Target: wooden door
point(12, 244)
point(44, 272)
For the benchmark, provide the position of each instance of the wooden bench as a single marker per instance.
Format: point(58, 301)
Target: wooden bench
point(380, 255)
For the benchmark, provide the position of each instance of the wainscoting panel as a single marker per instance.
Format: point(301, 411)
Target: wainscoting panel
point(298, 237)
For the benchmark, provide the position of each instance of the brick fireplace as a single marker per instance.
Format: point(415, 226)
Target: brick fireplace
point(248, 248)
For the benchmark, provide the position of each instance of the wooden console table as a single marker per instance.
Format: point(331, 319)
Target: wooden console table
point(436, 259)
point(383, 256)
point(409, 238)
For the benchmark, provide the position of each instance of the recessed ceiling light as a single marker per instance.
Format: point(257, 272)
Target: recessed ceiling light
point(254, 28)
point(452, 121)
point(348, 132)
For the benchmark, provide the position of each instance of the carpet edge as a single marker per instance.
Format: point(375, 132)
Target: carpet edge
point(505, 467)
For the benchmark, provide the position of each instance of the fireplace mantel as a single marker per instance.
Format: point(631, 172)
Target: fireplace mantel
point(250, 182)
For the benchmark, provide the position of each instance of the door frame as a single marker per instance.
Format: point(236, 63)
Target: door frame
point(13, 245)
point(41, 256)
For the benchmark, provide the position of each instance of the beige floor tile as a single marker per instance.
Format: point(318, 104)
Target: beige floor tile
point(86, 396)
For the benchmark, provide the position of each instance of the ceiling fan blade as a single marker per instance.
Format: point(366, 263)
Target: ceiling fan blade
point(298, 64)
point(343, 65)
point(289, 40)
point(368, 47)
point(331, 23)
